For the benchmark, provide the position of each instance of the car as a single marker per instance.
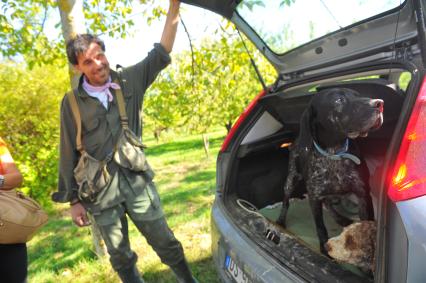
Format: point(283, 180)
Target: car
point(377, 48)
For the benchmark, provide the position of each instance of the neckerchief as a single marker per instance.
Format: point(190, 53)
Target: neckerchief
point(96, 91)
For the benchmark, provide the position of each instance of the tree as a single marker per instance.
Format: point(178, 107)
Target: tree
point(226, 83)
point(30, 28)
point(207, 87)
point(162, 103)
point(29, 107)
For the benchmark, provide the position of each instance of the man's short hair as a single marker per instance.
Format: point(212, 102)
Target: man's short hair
point(79, 44)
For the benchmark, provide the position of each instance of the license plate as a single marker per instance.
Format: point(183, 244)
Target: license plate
point(235, 271)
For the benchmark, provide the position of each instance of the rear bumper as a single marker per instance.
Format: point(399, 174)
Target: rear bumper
point(227, 240)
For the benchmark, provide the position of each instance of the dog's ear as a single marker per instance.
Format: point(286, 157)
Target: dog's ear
point(305, 131)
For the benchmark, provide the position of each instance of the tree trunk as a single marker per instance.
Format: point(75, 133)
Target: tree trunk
point(158, 131)
point(228, 126)
point(157, 136)
point(72, 21)
point(206, 144)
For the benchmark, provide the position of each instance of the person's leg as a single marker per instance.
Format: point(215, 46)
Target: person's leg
point(114, 231)
point(13, 263)
point(146, 212)
point(167, 247)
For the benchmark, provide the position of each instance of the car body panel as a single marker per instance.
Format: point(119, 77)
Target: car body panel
point(413, 215)
point(396, 263)
point(259, 268)
point(224, 8)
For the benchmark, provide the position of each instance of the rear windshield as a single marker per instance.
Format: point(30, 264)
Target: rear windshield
point(286, 24)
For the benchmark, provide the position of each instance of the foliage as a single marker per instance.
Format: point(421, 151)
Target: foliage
point(29, 115)
point(21, 26)
point(162, 102)
point(404, 80)
point(30, 28)
point(208, 87)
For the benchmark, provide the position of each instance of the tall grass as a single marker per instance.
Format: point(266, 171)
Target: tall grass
point(185, 178)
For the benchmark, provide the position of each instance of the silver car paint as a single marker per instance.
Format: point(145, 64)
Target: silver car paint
point(229, 239)
point(413, 215)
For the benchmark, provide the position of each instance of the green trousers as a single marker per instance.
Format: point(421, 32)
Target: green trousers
point(147, 215)
point(157, 233)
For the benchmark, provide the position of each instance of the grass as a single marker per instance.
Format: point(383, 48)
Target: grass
point(185, 179)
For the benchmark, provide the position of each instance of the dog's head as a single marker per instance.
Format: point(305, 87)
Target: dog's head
point(355, 245)
point(342, 112)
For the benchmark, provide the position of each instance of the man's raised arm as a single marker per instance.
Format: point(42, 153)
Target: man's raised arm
point(170, 27)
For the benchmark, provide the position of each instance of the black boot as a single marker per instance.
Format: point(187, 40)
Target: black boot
point(183, 273)
point(130, 275)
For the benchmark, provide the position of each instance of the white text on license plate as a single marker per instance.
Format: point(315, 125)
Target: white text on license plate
point(235, 271)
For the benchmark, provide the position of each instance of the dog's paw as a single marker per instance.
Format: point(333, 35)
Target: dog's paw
point(324, 249)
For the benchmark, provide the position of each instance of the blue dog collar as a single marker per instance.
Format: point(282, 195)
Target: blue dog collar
point(340, 155)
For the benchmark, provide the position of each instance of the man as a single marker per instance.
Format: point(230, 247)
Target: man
point(128, 192)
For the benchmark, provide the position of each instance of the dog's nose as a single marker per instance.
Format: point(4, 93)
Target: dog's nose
point(378, 103)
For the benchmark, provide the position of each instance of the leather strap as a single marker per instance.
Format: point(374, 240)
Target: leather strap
point(77, 118)
point(121, 110)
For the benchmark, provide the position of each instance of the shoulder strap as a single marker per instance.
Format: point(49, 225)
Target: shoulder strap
point(121, 109)
point(120, 101)
point(77, 118)
point(76, 113)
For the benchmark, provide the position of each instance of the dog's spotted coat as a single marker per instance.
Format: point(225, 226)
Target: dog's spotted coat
point(333, 116)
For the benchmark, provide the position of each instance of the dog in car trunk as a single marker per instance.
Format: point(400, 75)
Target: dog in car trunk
point(355, 245)
point(325, 160)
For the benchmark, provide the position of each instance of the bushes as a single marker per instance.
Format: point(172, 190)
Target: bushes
point(29, 123)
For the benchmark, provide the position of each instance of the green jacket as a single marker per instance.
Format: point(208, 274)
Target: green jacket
point(100, 130)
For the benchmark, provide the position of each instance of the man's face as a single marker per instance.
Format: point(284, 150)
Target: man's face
point(94, 65)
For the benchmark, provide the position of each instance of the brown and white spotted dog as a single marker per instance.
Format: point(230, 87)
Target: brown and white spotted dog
point(355, 245)
point(324, 159)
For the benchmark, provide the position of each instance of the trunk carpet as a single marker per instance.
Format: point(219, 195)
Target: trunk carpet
point(300, 223)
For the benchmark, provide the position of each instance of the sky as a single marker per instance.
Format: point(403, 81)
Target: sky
point(125, 52)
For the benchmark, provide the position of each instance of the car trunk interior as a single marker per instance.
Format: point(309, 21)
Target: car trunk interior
point(259, 173)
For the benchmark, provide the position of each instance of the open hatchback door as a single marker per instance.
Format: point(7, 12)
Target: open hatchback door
point(376, 48)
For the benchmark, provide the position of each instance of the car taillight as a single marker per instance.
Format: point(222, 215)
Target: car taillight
point(409, 174)
point(242, 117)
